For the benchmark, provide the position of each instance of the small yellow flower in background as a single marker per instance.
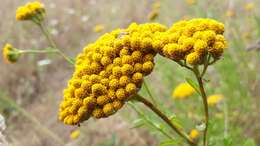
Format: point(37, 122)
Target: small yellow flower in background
point(230, 13)
point(194, 134)
point(75, 134)
point(214, 99)
point(10, 54)
point(182, 90)
point(191, 2)
point(31, 10)
point(249, 6)
point(99, 28)
point(154, 13)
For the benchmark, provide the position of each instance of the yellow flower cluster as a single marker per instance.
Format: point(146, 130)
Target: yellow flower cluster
point(155, 10)
point(10, 54)
point(214, 99)
point(111, 70)
point(75, 134)
point(191, 2)
point(108, 72)
point(192, 41)
point(30, 10)
point(194, 134)
point(182, 90)
point(249, 6)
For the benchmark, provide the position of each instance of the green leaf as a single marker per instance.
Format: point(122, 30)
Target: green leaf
point(228, 141)
point(138, 123)
point(169, 143)
point(193, 84)
point(177, 122)
point(257, 21)
point(249, 142)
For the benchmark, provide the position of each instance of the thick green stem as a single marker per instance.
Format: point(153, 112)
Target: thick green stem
point(205, 103)
point(165, 119)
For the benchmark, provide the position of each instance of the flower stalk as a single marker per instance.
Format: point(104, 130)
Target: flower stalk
point(199, 78)
point(51, 41)
point(148, 104)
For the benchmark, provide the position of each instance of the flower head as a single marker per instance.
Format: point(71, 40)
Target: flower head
point(249, 6)
point(10, 54)
point(108, 73)
point(31, 11)
point(214, 99)
point(75, 134)
point(194, 134)
point(193, 40)
point(183, 90)
point(191, 2)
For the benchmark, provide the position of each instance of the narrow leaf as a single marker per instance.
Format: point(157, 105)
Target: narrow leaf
point(169, 143)
point(193, 84)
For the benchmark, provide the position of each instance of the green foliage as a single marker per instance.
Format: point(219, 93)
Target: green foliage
point(193, 84)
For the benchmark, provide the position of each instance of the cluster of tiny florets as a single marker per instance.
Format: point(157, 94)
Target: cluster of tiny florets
point(10, 54)
point(30, 10)
point(108, 72)
point(192, 41)
point(111, 70)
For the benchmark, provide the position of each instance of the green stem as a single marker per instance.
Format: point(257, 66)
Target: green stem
point(52, 43)
point(205, 103)
point(150, 122)
point(149, 92)
point(165, 119)
point(206, 64)
point(39, 51)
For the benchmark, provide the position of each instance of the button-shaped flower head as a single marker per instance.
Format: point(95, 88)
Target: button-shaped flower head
point(192, 41)
point(31, 11)
point(10, 54)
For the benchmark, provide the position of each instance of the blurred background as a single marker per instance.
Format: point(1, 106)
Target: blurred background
point(31, 89)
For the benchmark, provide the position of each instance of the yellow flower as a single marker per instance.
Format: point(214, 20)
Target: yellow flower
point(193, 40)
point(31, 11)
point(99, 28)
point(194, 134)
point(193, 58)
point(183, 90)
point(249, 6)
point(230, 13)
point(214, 99)
point(10, 54)
point(191, 2)
point(111, 70)
point(107, 73)
point(75, 134)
